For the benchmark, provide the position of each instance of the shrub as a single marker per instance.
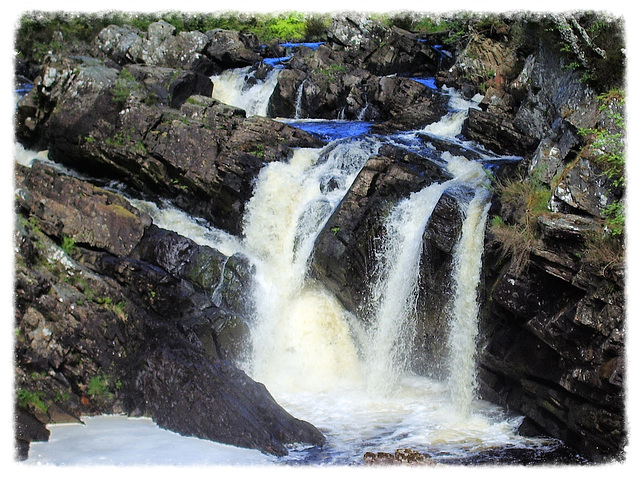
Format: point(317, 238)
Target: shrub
point(28, 399)
point(98, 387)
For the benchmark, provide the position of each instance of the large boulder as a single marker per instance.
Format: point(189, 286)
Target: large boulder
point(187, 393)
point(346, 250)
point(232, 49)
point(324, 84)
point(159, 46)
point(379, 49)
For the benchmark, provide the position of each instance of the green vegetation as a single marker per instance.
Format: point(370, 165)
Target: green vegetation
point(41, 32)
point(608, 144)
point(258, 151)
point(527, 199)
point(330, 71)
point(98, 388)
point(592, 45)
point(125, 86)
point(68, 245)
point(28, 399)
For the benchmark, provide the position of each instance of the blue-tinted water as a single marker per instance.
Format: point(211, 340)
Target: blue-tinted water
point(276, 62)
point(329, 130)
point(427, 81)
point(311, 45)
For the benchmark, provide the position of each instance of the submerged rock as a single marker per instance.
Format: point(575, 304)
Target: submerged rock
point(401, 456)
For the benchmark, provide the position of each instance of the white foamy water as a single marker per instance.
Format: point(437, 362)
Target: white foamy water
point(123, 441)
point(395, 293)
point(465, 311)
point(451, 124)
point(318, 360)
point(301, 336)
point(231, 88)
point(26, 157)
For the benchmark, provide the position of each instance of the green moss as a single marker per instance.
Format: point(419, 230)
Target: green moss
point(125, 86)
point(68, 245)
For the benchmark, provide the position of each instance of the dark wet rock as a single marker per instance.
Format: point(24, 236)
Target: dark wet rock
point(409, 105)
point(28, 429)
point(186, 393)
point(495, 131)
point(189, 84)
point(353, 76)
point(334, 90)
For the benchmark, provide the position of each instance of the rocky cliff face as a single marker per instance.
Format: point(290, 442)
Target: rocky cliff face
point(553, 322)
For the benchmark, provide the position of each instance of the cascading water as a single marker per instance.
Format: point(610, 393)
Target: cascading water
point(301, 336)
point(299, 95)
point(318, 360)
point(394, 294)
point(232, 87)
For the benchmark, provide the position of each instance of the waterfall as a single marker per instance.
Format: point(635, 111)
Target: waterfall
point(233, 87)
point(467, 267)
point(363, 112)
point(299, 94)
point(395, 293)
point(464, 322)
point(350, 376)
point(301, 336)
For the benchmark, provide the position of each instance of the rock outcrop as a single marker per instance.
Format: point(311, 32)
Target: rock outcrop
point(553, 318)
point(346, 251)
point(111, 123)
point(114, 314)
point(356, 74)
